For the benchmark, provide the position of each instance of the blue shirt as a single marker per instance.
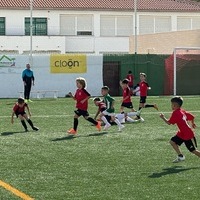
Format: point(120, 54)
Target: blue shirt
point(27, 76)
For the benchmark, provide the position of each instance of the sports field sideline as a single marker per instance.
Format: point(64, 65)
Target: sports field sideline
point(133, 164)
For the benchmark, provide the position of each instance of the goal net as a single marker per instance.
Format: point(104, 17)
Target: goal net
point(182, 71)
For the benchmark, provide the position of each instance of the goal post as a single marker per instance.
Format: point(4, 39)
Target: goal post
point(182, 69)
point(184, 57)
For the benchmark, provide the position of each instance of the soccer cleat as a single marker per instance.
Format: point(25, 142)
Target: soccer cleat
point(141, 119)
point(98, 126)
point(155, 106)
point(26, 100)
point(106, 126)
point(121, 127)
point(179, 159)
point(35, 128)
point(72, 131)
point(26, 130)
point(29, 100)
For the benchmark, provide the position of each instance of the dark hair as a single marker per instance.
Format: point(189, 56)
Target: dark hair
point(143, 74)
point(125, 81)
point(105, 88)
point(20, 100)
point(178, 100)
point(129, 72)
point(97, 99)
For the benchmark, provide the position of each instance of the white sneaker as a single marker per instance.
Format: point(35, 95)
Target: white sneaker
point(179, 159)
point(141, 119)
point(106, 126)
point(121, 127)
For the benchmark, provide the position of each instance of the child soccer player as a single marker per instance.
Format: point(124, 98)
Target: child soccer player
point(81, 96)
point(126, 101)
point(122, 117)
point(185, 134)
point(144, 87)
point(109, 101)
point(19, 111)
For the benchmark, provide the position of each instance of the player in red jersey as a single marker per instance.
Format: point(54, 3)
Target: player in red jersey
point(130, 78)
point(81, 96)
point(19, 111)
point(144, 87)
point(185, 134)
point(127, 92)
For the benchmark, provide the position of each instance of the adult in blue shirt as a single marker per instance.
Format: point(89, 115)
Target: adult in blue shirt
point(28, 79)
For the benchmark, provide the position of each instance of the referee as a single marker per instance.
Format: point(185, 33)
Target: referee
point(28, 79)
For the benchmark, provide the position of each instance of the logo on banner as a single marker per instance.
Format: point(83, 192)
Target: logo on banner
point(68, 63)
point(6, 61)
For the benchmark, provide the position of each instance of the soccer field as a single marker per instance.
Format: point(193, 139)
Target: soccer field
point(134, 164)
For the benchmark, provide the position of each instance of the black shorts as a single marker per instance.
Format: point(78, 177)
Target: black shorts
point(190, 144)
point(127, 105)
point(20, 113)
point(84, 113)
point(143, 99)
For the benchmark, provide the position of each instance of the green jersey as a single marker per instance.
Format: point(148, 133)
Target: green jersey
point(109, 101)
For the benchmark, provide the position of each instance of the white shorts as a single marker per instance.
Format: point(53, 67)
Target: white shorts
point(107, 113)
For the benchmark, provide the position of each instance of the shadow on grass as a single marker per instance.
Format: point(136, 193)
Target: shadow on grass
point(11, 133)
point(70, 137)
point(171, 170)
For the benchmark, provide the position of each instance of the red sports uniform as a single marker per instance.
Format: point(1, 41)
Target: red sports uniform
point(79, 96)
point(18, 109)
point(130, 77)
point(127, 93)
point(102, 106)
point(180, 117)
point(143, 88)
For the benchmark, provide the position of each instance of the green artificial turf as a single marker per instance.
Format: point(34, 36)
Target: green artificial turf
point(133, 164)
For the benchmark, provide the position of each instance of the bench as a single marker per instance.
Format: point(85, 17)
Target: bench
point(42, 93)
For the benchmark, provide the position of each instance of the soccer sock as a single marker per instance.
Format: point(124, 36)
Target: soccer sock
point(104, 120)
point(90, 119)
point(118, 122)
point(30, 122)
point(148, 105)
point(130, 119)
point(75, 123)
point(24, 124)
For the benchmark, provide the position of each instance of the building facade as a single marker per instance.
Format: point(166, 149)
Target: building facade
point(93, 27)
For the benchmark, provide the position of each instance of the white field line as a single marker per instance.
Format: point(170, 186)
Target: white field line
point(51, 116)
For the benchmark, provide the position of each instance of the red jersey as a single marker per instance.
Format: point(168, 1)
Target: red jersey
point(130, 77)
point(18, 109)
point(127, 94)
point(180, 117)
point(79, 96)
point(102, 106)
point(143, 88)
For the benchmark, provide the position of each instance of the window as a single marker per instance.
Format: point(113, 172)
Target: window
point(39, 26)
point(154, 24)
point(146, 24)
point(76, 25)
point(183, 23)
point(196, 23)
point(2, 26)
point(162, 24)
point(116, 25)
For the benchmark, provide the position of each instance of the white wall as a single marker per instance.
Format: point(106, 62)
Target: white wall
point(11, 80)
point(15, 39)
